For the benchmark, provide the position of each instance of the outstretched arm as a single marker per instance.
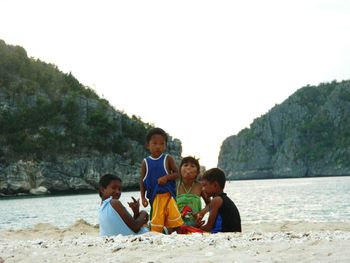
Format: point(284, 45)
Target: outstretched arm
point(134, 224)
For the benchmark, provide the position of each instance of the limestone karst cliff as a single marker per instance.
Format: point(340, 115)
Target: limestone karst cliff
point(306, 135)
point(57, 135)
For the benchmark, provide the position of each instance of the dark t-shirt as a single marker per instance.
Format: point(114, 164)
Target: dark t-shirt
point(228, 218)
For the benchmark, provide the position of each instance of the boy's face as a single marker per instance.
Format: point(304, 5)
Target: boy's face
point(189, 171)
point(209, 188)
point(114, 189)
point(156, 145)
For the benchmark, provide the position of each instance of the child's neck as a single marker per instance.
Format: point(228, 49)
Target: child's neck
point(106, 197)
point(156, 156)
point(188, 182)
point(187, 185)
point(218, 193)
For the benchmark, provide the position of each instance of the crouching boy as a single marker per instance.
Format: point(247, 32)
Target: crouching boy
point(223, 213)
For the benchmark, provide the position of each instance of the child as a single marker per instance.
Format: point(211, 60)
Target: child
point(114, 219)
point(158, 175)
point(223, 213)
point(189, 191)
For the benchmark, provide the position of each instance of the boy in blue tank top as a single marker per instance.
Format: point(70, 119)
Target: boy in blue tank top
point(158, 175)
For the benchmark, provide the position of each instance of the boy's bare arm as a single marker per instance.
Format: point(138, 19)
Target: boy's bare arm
point(215, 204)
point(199, 215)
point(142, 185)
point(173, 171)
point(205, 198)
point(133, 224)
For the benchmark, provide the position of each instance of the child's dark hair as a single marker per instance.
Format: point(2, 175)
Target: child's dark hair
point(215, 175)
point(105, 181)
point(190, 159)
point(156, 131)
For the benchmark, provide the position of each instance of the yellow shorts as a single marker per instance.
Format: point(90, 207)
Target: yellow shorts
point(165, 213)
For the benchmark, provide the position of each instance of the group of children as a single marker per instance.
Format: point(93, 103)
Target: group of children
point(175, 196)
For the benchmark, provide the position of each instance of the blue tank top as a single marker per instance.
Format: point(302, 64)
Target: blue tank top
point(111, 223)
point(156, 168)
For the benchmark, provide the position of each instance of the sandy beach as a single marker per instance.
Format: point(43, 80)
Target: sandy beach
point(278, 242)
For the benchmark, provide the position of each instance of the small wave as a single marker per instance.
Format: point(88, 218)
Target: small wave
point(44, 227)
point(47, 230)
point(78, 225)
point(82, 225)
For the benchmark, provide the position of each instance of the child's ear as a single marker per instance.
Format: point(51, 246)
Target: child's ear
point(216, 184)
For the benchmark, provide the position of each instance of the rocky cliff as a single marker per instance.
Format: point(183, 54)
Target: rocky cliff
point(71, 174)
point(306, 135)
point(57, 135)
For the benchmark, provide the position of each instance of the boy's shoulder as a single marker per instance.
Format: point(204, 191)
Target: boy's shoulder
point(221, 197)
point(225, 196)
point(115, 203)
point(216, 201)
point(197, 187)
point(168, 156)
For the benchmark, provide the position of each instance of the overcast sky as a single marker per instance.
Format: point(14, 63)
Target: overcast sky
point(201, 70)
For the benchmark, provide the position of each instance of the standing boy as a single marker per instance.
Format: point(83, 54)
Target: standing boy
point(223, 213)
point(158, 175)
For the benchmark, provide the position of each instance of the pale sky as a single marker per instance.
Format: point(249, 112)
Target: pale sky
point(201, 70)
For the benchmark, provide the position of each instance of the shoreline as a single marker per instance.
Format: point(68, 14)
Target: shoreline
point(57, 193)
point(266, 242)
point(290, 177)
point(54, 193)
point(276, 226)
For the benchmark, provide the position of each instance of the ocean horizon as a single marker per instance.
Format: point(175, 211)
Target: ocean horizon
point(314, 199)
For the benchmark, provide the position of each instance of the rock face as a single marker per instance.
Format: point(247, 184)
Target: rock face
point(71, 175)
point(56, 135)
point(307, 135)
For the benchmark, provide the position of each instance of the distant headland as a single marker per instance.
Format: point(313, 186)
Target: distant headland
point(305, 136)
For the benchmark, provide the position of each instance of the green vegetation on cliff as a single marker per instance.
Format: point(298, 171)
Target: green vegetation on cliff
point(327, 130)
point(306, 135)
point(45, 113)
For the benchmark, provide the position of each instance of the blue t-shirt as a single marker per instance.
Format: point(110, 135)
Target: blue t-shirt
point(111, 223)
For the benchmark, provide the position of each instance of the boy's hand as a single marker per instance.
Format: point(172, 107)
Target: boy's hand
point(198, 216)
point(163, 180)
point(135, 205)
point(199, 221)
point(144, 202)
point(145, 216)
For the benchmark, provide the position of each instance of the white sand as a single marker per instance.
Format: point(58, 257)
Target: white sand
point(280, 242)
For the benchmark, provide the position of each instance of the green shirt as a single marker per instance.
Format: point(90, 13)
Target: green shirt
point(191, 200)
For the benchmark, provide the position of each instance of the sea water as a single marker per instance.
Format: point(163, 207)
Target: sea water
point(325, 199)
